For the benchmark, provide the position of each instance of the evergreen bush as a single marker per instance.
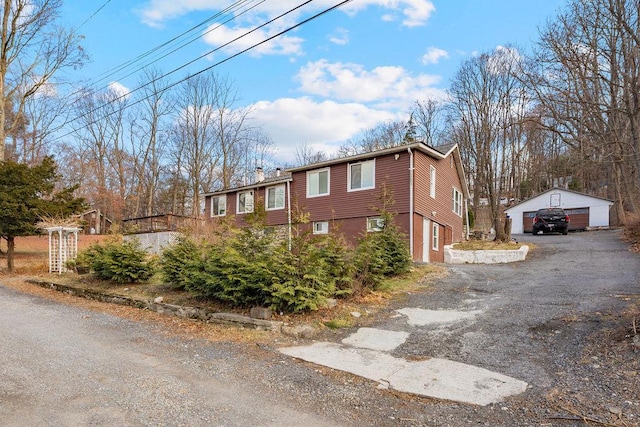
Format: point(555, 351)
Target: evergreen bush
point(119, 262)
point(181, 261)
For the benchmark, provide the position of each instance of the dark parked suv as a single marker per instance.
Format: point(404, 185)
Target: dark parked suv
point(551, 219)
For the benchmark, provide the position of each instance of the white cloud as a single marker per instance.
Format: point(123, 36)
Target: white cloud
point(388, 86)
point(503, 58)
point(416, 12)
point(155, 12)
point(433, 55)
point(119, 89)
point(282, 45)
point(340, 36)
point(323, 126)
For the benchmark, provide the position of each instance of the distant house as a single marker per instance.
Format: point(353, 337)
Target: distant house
point(95, 222)
point(585, 211)
point(427, 184)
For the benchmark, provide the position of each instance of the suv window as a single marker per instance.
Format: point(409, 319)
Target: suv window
point(552, 211)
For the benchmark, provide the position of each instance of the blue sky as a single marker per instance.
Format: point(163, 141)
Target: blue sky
point(324, 82)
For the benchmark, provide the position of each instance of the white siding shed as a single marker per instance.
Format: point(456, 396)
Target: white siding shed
point(586, 211)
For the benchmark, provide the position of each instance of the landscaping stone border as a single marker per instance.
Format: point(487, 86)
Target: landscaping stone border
point(452, 256)
point(184, 312)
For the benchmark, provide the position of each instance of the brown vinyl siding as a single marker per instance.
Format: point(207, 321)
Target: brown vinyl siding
point(273, 217)
point(347, 211)
point(342, 204)
point(446, 179)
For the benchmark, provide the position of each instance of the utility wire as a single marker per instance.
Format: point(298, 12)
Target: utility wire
point(305, 21)
point(196, 59)
point(210, 19)
point(193, 39)
point(111, 73)
point(93, 14)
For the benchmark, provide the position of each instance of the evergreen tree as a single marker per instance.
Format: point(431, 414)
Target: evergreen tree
point(28, 194)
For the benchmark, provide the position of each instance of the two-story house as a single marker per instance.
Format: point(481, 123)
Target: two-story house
point(427, 185)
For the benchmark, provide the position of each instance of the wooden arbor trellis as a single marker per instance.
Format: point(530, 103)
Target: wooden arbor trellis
point(63, 246)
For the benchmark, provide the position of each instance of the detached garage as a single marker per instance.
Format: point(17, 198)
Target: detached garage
point(584, 211)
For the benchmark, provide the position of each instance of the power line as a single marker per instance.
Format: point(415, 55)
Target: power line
point(305, 21)
point(196, 59)
point(93, 14)
point(237, 5)
point(111, 73)
point(193, 39)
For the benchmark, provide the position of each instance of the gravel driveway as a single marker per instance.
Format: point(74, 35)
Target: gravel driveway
point(555, 321)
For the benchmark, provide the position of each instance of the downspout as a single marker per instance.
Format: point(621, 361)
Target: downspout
point(466, 206)
point(410, 201)
point(289, 211)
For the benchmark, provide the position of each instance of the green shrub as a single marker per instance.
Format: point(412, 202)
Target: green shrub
point(313, 270)
point(180, 261)
point(383, 253)
point(119, 262)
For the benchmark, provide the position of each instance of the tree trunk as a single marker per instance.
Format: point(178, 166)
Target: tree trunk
point(11, 245)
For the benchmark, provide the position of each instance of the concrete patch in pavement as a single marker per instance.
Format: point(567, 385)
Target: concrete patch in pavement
point(437, 378)
point(423, 317)
point(376, 339)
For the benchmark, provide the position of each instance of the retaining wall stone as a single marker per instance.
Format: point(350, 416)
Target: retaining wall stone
point(184, 312)
point(452, 256)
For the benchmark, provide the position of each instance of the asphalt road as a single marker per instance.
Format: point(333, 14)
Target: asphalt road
point(64, 366)
point(565, 279)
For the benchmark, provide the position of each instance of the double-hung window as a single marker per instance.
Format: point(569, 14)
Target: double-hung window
point(245, 202)
point(275, 197)
point(321, 227)
point(457, 202)
point(432, 182)
point(219, 205)
point(435, 243)
point(375, 224)
point(361, 175)
point(318, 183)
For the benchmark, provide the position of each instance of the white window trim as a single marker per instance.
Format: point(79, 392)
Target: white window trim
point(328, 170)
point(435, 237)
point(457, 199)
point(373, 185)
point(377, 228)
point(266, 198)
point(238, 202)
point(223, 197)
point(432, 181)
point(324, 229)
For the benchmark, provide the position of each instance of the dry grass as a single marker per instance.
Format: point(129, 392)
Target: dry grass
point(32, 253)
point(486, 245)
point(31, 262)
point(631, 233)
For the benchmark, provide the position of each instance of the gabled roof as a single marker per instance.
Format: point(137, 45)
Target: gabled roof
point(558, 189)
point(438, 152)
point(267, 182)
point(95, 211)
point(419, 146)
point(445, 149)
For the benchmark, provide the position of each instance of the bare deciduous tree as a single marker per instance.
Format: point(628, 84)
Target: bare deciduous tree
point(32, 50)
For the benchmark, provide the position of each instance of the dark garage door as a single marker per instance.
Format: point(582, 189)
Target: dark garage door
point(578, 219)
point(527, 221)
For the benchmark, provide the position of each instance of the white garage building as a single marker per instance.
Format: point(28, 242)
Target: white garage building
point(584, 211)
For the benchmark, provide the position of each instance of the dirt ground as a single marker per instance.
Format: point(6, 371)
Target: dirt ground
point(608, 355)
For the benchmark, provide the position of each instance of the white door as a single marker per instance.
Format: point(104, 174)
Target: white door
point(426, 234)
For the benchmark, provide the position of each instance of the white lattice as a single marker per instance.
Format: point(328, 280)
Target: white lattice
point(63, 246)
